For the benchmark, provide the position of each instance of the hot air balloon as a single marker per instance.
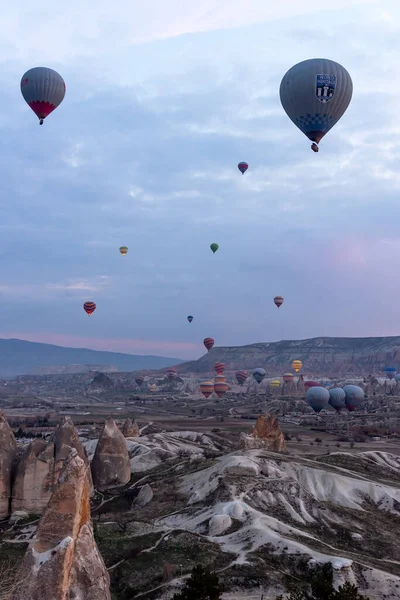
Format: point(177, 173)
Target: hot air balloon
point(275, 383)
point(139, 380)
point(190, 318)
point(207, 388)
point(241, 377)
point(317, 398)
point(288, 377)
point(278, 301)
point(209, 343)
point(219, 368)
point(259, 374)
point(220, 388)
point(89, 307)
point(337, 398)
point(220, 378)
point(315, 94)
point(243, 166)
point(123, 250)
point(214, 247)
point(390, 371)
point(43, 89)
point(397, 377)
point(354, 396)
point(310, 384)
point(296, 365)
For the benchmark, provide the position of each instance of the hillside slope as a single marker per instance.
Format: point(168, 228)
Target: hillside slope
point(322, 356)
point(18, 357)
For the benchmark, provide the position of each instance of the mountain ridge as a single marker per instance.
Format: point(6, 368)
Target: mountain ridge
point(23, 357)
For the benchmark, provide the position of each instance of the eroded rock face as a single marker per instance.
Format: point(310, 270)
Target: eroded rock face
point(144, 496)
point(110, 465)
point(63, 562)
point(8, 453)
point(33, 484)
point(66, 437)
point(266, 434)
point(130, 429)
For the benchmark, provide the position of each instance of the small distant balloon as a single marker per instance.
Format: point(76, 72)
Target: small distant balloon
point(354, 397)
point(390, 371)
point(89, 307)
point(259, 374)
point(209, 343)
point(275, 383)
point(43, 89)
point(243, 166)
point(288, 377)
point(309, 384)
point(296, 365)
point(190, 318)
point(219, 368)
point(220, 388)
point(337, 398)
point(219, 378)
point(207, 388)
point(139, 380)
point(317, 398)
point(397, 377)
point(278, 301)
point(214, 247)
point(241, 377)
point(123, 250)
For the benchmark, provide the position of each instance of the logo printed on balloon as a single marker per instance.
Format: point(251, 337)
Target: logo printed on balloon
point(325, 87)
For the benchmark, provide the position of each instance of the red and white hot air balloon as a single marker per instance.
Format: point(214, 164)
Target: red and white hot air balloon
point(43, 89)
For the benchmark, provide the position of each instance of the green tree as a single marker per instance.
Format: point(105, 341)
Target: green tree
point(321, 583)
point(203, 584)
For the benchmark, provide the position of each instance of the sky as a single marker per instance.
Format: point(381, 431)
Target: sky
point(162, 103)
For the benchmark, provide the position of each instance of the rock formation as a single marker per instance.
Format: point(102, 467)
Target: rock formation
point(33, 484)
point(40, 465)
point(130, 428)
point(144, 496)
point(110, 465)
point(65, 438)
point(63, 562)
point(8, 453)
point(100, 383)
point(266, 434)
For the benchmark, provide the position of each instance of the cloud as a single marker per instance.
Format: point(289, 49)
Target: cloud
point(144, 150)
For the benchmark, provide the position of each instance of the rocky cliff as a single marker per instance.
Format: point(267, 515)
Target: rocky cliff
point(323, 356)
point(110, 465)
point(63, 562)
point(8, 452)
point(266, 434)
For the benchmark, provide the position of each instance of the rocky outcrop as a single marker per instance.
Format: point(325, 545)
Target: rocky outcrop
point(34, 478)
point(130, 428)
point(65, 438)
point(266, 434)
point(8, 453)
point(144, 496)
point(63, 562)
point(100, 383)
point(110, 465)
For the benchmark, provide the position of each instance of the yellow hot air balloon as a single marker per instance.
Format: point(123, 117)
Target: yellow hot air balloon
point(123, 250)
point(296, 365)
point(275, 383)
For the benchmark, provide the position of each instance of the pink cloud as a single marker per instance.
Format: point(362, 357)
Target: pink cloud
point(167, 348)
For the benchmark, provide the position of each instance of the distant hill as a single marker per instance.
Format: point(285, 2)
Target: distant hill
point(321, 356)
point(20, 357)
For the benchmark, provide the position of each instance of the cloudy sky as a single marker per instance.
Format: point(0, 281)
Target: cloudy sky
point(162, 103)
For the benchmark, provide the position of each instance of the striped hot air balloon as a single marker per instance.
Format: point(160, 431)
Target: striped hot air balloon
point(275, 383)
point(207, 388)
point(288, 377)
point(278, 300)
point(43, 89)
point(296, 365)
point(310, 384)
point(219, 378)
point(123, 250)
point(241, 377)
point(139, 380)
point(220, 388)
point(243, 166)
point(172, 373)
point(89, 307)
point(219, 368)
point(209, 343)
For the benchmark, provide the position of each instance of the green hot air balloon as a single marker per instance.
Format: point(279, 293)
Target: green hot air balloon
point(214, 247)
point(315, 94)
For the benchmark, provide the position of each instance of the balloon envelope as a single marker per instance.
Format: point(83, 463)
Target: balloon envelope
point(139, 380)
point(390, 371)
point(243, 166)
point(209, 343)
point(310, 384)
point(207, 388)
point(296, 365)
point(397, 377)
point(275, 383)
point(315, 94)
point(354, 396)
point(219, 368)
point(259, 374)
point(43, 90)
point(190, 318)
point(241, 377)
point(220, 388)
point(89, 307)
point(317, 398)
point(123, 250)
point(214, 247)
point(278, 301)
point(288, 377)
point(337, 398)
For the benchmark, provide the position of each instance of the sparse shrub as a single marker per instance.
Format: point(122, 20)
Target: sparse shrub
point(318, 440)
point(338, 445)
point(352, 444)
point(287, 437)
point(203, 584)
